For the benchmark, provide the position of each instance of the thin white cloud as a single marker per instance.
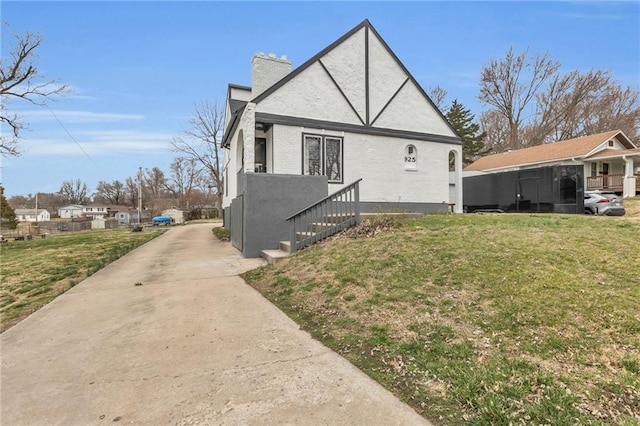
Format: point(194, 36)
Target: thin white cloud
point(71, 116)
point(74, 92)
point(100, 143)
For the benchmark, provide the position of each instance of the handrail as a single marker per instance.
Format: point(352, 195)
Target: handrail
point(324, 199)
point(325, 217)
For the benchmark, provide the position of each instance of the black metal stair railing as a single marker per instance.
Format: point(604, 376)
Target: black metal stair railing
point(326, 217)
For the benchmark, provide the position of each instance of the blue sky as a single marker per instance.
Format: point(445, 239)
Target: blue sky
point(136, 69)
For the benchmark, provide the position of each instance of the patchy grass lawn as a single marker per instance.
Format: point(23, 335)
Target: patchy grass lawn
point(34, 272)
point(481, 319)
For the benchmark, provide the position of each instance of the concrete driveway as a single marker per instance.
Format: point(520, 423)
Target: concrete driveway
point(190, 344)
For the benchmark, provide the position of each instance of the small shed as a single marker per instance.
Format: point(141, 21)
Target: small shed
point(176, 214)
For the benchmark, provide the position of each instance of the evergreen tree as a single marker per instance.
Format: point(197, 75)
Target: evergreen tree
point(472, 140)
point(7, 214)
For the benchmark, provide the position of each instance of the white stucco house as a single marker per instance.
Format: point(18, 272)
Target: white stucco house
point(32, 215)
point(351, 113)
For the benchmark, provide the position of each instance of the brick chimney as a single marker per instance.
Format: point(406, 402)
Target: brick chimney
point(266, 70)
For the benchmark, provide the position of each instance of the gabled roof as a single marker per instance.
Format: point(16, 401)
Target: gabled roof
point(364, 24)
point(237, 108)
point(368, 119)
point(29, 211)
point(581, 147)
point(612, 153)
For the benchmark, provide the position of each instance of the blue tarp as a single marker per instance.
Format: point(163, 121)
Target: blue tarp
point(162, 219)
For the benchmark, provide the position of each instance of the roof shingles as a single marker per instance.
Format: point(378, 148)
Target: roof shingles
point(570, 148)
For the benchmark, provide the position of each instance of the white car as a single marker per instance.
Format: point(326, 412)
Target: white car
point(603, 204)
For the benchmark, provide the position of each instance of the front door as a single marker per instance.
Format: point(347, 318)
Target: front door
point(605, 175)
point(260, 155)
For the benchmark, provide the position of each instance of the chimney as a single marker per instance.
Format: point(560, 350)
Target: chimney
point(266, 70)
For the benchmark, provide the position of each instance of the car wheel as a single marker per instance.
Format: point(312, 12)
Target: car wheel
point(587, 211)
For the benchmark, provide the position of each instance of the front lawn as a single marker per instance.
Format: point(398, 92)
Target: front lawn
point(481, 319)
point(34, 272)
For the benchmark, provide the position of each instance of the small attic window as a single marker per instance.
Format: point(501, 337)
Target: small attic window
point(611, 143)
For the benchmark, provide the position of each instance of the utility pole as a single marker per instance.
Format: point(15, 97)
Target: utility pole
point(139, 195)
point(36, 208)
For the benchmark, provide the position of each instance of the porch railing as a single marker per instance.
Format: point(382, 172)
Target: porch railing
point(325, 217)
point(610, 182)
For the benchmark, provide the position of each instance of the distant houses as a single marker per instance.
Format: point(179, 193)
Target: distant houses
point(124, 215)
point(32, 215)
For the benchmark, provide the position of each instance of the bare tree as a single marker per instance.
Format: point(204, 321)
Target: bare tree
point(21, 79)
point(510, 86)
point(74, 192)
point(496, 127)
point(131, 191)
point(438, 96)
point(203, 144)
point(531, 103)
point(184, 178)
point(154, 190)
point(113, 193)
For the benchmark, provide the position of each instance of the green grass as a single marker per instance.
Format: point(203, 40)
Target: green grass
point(34, 272)
point(481, 319)
point(221, 233)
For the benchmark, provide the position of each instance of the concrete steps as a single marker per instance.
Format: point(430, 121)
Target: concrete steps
point(274, 255)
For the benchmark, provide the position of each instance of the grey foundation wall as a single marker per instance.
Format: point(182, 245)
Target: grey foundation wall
point(381, 208)
point(268, 200)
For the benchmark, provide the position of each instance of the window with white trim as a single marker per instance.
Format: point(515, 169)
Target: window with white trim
point(410, 158)
point(322, 155)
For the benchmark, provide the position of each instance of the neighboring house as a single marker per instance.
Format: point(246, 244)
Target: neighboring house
point(70, 211)
point(128, 216)
point(176, 214)
point(30, 215)
point(96, 211)
point(608, 161)
point(123, 217)
point(351, 113)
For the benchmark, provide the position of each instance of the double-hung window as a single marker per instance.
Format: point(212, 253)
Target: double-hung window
point(322, 155)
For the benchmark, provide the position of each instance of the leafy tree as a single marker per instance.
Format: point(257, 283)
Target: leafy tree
point(473, 145)
point(21, 79)
point(7, 214)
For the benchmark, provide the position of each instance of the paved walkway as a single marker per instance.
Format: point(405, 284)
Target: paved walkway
point(193, 344)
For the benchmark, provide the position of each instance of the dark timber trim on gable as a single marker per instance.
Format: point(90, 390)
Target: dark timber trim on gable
point(235, 120)
point(415, 82)
point(310, 62)
point(368, 27)
point(389, 101)
point(354, 128)
point(340, 89)
point(366, 73)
